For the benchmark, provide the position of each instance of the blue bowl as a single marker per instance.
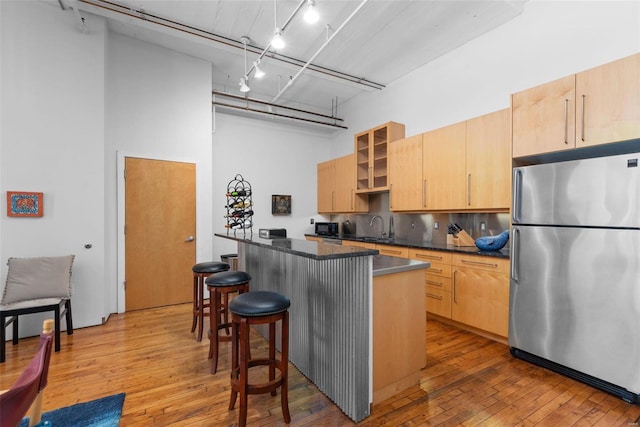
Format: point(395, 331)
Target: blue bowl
point(493, 243)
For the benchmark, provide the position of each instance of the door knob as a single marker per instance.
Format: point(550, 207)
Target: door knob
point(189, 239)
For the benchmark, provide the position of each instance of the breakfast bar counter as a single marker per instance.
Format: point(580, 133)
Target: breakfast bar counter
point(358, 326)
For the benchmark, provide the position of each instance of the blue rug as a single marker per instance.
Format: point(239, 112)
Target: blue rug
point(104, 412)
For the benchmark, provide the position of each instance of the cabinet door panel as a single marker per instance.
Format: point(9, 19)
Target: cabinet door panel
point(481, 299)
point(543, 118)
point(405, 174)
point(608, 102)
point(326, 185)
point(488, 154)
point(438, 301)
point(444, 167)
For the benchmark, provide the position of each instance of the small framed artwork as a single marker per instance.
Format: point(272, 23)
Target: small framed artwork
point(280, 205)
point(24, 204)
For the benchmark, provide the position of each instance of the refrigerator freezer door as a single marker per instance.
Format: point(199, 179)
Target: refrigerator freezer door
point(575, 299)
point(600, 192)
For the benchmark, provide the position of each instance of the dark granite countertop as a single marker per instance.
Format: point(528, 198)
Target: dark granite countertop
point(503, 253)
point(304, 248)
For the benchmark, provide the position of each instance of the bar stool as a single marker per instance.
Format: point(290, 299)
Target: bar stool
point(256, 308)
point(231, 259)
point(219, 285)
point(200, 272)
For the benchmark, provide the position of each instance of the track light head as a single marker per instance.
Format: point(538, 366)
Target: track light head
point(244, 88)
point(277, 42)
point(311, 14)
point(259, 73)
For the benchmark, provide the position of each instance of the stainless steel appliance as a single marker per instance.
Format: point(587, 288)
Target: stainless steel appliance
point(272, 233)
point(575, 270)
point(327, 228)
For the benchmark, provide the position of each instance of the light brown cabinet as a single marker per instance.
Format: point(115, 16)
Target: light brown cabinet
point(464, 166)
point(437, 280)
point(336, 187)
point(480, 293)
point(371, 162)
point(596, 106)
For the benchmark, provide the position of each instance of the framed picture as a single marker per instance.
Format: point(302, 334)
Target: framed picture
point(24, 204)
point(280, 205)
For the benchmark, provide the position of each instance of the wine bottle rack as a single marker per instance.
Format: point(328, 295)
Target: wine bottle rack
point(239, 206)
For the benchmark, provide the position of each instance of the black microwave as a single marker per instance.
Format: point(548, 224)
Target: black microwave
point(327, 228)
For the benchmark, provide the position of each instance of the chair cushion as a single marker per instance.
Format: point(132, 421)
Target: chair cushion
point(210, 267)
point(40, 302)
point(259, 303)
point(40, 277)
point(227, 278)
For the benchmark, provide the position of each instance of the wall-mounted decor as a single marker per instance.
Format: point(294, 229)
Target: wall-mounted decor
point(24, 203)
point(280, 205)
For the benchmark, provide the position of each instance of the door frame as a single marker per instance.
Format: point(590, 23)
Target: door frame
point(120, 222)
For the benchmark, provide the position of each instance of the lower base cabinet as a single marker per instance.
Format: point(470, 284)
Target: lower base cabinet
point(470, 290)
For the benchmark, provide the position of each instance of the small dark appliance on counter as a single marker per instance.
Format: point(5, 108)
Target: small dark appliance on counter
point(327, 228)
point(273, 233)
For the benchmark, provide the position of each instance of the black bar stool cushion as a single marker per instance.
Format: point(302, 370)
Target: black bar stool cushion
point(259, 303)
point(210, 267)
point(228, 278)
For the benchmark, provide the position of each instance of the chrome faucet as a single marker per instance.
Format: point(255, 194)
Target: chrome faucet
point(381, 223)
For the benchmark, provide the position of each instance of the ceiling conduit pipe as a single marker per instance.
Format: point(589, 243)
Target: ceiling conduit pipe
point(324, 45)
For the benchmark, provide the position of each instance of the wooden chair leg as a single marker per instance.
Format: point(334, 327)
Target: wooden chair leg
point(284, 369)
point(244, 372)
point(195, 302)
point(57, 331)
point(69, 317)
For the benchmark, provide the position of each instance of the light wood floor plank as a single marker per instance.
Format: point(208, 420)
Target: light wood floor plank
point(152, 357)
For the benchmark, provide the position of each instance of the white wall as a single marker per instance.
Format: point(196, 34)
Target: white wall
point(159, 107)
point(549, 40)
point(53, 141)
point(275, 159)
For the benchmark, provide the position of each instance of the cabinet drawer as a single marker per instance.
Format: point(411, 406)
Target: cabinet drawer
point(390, 250)
point(437, 282)
point(429, 255)
point(438, 269)
point(438, 301)
point(359, 244)
point(481, 262)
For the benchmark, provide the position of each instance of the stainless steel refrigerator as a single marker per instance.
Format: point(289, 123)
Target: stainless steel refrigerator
point(575, 270)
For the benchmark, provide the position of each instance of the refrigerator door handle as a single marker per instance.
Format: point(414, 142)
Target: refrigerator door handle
point(517, 195)
point(515, 254)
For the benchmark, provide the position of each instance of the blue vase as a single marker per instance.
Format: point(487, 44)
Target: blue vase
point(493, 243)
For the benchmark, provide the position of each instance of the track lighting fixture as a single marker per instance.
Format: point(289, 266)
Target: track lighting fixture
point(244, 88)
point(277, 42)
point(259, 73)
point(311, 15)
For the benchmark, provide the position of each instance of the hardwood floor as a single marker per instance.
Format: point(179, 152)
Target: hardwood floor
point(152, 357)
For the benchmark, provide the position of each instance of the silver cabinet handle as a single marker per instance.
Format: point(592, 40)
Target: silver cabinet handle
point(582, 124)
point(190, 239)
point(434, 296)
point(566, 121)
point(424, 193)
point(469, 189)
point(390, 196)
point(455, 300)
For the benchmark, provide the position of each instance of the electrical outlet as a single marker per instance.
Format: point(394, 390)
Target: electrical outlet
point(483, 226)
point(436, 225)
point(312, 221)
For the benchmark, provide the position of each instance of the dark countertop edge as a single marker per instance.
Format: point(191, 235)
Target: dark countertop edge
point(503, 253)
point(303, 248)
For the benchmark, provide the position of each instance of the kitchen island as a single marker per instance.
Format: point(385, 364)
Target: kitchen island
point(357, 319)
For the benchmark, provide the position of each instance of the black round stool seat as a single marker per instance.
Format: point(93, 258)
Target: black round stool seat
point(259, 303)
point(228, 278)
point(210, 267)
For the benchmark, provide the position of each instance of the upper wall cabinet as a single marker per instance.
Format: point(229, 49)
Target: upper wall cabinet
point(464, 166)
point(371, 150)
point(336, 187)
point(597, 106)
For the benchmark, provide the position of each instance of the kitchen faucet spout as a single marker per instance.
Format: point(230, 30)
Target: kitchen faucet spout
point(381, 223)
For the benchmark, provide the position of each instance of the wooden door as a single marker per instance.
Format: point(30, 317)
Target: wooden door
point(608, 102)
point(444, 167)
point(326, 185)
point(160, 228)
point(406, 187)
point(489, 161)
point(544, 118)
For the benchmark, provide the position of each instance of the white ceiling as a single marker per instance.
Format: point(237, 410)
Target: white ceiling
point(371, 43)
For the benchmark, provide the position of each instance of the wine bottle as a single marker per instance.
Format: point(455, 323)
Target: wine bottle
point(239, 214)
point(239, 193)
